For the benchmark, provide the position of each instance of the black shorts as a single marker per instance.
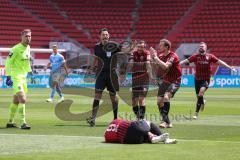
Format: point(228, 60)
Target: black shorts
point(140, 84)
point(137, 132)
point(168, 87)
point(201, 83)
point(105, 79)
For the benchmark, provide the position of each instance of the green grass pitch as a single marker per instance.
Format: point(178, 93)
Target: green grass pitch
point(215, 135)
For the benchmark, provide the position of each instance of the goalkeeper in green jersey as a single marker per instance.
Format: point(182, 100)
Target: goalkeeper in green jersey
point(17, 67)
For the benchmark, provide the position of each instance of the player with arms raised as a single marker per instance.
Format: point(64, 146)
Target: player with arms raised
point(203, 62)
point(17, 67)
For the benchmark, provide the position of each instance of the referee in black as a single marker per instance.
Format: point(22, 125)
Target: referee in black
point(104, 64)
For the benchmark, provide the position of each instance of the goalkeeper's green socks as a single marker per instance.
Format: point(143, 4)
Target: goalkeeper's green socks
point(12, 111)
point(21, 111)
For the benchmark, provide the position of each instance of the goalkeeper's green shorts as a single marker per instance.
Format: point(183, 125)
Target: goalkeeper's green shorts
point(19, 85)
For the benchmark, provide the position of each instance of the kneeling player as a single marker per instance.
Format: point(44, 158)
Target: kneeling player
point(135, 132)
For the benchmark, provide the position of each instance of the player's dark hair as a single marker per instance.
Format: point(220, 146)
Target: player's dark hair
point(204, 43)
point(25, 31)
point(102, 29)
point(141, 41)
point(166, 42)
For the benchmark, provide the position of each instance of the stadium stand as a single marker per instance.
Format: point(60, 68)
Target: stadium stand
point(13, 20)
point(95, 14)
point(49, 12)
point(216, 22)
point(156, 18)
point(218, 25)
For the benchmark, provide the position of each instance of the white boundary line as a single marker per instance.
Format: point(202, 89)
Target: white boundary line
point(96, 137)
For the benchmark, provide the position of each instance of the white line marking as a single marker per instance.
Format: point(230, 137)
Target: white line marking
point(97, 137)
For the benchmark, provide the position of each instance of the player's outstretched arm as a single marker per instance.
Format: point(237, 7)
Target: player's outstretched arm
point(185, 61)
point(149, 69)
point(226, 65)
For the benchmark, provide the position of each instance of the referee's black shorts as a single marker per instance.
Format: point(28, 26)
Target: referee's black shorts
point(107, 80)
point(201, 83)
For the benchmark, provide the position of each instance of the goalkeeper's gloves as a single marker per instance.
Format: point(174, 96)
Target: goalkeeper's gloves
point(9, 81)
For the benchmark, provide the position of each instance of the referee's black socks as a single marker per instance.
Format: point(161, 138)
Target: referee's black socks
point(95, 108)
point(115, 109)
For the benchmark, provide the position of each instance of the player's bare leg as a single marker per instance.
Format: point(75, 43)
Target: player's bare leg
point(59, 91)
point(53, 89)
point(200, 102)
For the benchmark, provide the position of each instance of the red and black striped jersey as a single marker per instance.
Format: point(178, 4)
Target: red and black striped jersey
point(173, 74)
point(203, 65)
point(139, 60)
point(116, 131)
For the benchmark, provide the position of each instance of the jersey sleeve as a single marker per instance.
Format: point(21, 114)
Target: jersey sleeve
point(192, 58)
point(11, 57)
point(214, 59)
point(176, 59)
point(173, 59)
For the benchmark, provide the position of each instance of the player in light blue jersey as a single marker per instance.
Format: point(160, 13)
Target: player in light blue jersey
point(57, 61)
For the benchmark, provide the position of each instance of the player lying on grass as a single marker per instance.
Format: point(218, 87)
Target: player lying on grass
point(203, 62)
point(135, 132)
